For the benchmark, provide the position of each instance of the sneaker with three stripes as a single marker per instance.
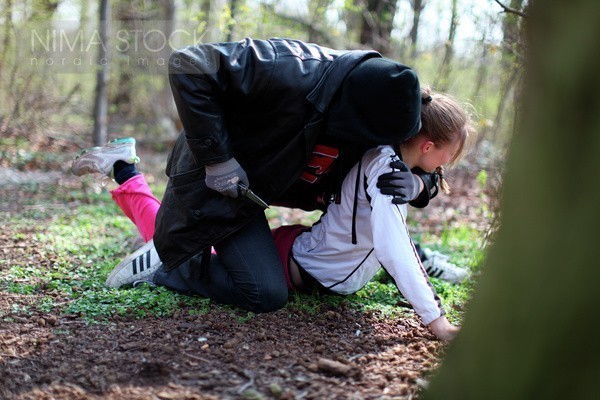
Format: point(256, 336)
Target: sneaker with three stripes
point(139, 267)
point(437, 265)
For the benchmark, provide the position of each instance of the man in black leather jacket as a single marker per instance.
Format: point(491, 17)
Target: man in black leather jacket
point(253, 112)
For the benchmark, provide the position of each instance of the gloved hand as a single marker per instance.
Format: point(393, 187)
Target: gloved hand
point(431, 182)
point(402, 184)
point(224, 177)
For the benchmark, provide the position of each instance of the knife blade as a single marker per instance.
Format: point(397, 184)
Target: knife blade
point(249, 194)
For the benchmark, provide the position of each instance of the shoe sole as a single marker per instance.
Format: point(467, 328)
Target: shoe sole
point(86, 168)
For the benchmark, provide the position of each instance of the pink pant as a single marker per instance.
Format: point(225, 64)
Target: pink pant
point(136, 200)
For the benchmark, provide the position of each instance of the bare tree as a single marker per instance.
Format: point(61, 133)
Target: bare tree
point(443, 78)
point(417, 6)
point(317, 33)
point(43, 10)
point(511, 60)
point(164, 108)
point(377, 24)
point(7, 13)
point(233, 6)
point(316, 10)
point(511, 9)
point(100, 104)
point(25, 94)
point(486, 26)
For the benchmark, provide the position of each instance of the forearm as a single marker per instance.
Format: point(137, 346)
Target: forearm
point(429, 187)
point(395, 251)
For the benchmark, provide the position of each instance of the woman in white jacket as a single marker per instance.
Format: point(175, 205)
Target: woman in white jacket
point(366, 231)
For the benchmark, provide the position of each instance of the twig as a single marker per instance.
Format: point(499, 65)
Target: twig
point(246, 386)
point(15, 355)
point(72, 322)
point(197, 358)
point(298, 20)
point(62, 303)
point(354, 357)
point(248, 374)
point(512, 10)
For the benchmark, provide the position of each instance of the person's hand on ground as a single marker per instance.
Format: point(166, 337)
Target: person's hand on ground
point(443, 329)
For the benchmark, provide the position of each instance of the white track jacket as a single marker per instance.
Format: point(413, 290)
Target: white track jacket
point(328, 254)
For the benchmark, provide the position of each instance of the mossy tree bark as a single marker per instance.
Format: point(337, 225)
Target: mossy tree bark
point(531, 330)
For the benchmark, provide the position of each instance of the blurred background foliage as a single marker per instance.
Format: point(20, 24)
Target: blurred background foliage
point(469, 48)
point(76, 73)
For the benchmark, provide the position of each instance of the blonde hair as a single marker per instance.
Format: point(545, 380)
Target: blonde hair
point(444, 120)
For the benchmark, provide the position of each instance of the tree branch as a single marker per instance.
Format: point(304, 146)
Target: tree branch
point(328, 39)
point(512, 10)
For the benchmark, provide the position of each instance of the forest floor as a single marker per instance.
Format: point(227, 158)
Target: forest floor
point(326, 351)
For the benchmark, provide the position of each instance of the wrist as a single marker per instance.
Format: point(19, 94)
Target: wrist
point(418, 186)
point(222, 168)
point(442, 328)
point(421, 184)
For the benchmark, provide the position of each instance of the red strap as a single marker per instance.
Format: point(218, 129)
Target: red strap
point(320, 163)
point(326, 151)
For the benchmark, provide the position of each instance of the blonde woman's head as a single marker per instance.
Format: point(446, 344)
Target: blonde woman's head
point(446, 133)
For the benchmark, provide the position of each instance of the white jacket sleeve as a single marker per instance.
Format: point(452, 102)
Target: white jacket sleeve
point(396, 252)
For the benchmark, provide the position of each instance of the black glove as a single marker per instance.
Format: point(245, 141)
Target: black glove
point(402, 184)
point(432, 187)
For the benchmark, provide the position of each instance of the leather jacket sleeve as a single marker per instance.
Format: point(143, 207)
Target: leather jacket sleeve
point(208, 81)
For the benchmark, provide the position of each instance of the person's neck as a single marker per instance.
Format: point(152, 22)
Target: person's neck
point(408, 156)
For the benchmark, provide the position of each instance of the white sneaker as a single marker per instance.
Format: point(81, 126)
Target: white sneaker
point(436, 264)
point(101, 159)
point(136, 268)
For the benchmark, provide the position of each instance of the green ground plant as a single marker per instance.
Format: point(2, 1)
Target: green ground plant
point(70, 251)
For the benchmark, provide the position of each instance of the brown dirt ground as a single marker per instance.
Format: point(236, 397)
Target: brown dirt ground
point(337, 354)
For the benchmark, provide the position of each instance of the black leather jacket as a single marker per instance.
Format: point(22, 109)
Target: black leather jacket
point(262, 102)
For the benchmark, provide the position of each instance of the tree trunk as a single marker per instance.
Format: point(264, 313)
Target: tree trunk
point(7, 14)
point(508, 84)
point(443, 79)
point(233, 4)
point(353, 21)
point(317, 20)
point(321, 35)
point(529, 332)
point(510, 32)
point(482, 70)
point(165, 97)
point(211, 20)
point(511, 46)
point(100, 105)
point(43, 10)
point(86, 23)
point(164, 108)
point(378, 21)
point(417, 6)
point(126, 15)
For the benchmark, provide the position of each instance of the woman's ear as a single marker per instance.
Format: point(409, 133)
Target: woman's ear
point(427, 146)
